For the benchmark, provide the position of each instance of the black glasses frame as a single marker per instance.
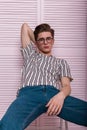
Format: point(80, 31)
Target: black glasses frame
point(47, 39)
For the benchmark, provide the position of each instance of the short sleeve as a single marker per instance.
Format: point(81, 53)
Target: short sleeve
point(65, 70)
point(27, 51)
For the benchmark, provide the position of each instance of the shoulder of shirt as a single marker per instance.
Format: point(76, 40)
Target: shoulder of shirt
point(28, 46)
point(61, 60)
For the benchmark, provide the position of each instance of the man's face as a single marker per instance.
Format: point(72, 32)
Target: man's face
point(45, 42)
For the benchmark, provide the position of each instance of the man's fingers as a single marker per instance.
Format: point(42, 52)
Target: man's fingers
point(50, 109)
point(54, 110)
point(59, 110)
point(48, 104)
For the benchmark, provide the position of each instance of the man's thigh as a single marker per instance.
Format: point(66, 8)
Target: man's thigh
point(74, 110)
point(21, 113)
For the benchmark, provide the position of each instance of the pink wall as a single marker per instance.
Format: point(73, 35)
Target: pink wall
point(68, 18)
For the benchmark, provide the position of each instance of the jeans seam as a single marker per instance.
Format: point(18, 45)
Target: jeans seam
point(26, 119)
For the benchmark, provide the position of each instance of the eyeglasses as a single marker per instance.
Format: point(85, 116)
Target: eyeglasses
point(42, 40)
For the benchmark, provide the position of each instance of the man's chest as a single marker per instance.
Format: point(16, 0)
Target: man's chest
point(47, 65)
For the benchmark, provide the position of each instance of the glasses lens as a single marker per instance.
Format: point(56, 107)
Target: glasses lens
point(49, 39)
point(42, 40)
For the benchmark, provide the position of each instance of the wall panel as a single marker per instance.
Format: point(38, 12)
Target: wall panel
point(68, 18)
point(12, 14)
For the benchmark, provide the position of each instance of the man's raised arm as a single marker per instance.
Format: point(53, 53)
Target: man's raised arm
point(26, 35)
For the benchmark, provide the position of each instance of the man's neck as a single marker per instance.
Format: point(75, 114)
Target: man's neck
point(47, 54)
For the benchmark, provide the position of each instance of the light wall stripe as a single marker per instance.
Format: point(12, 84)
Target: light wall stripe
point(68, 18)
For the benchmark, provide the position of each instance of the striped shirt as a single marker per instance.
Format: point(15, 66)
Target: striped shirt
point(40, 69)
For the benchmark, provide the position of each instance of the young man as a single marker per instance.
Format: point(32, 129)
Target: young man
point(42, 76)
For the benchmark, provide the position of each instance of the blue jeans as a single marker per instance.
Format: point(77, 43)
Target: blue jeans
point(30, 103)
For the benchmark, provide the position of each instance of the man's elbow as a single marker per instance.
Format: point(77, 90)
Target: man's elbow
point(24, 26)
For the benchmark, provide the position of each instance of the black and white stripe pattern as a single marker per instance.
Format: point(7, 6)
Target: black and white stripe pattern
point(39, 69)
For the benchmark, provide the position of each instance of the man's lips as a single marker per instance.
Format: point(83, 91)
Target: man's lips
point(46, 46)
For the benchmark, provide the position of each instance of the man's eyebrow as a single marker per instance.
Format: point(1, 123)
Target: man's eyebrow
point(44, 37)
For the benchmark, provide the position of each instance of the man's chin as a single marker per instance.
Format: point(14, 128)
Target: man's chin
point(46, 52)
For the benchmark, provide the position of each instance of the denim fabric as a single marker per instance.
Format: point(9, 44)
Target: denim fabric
point(30, 103)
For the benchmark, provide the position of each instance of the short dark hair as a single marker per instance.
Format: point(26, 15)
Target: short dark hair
point(43, 28)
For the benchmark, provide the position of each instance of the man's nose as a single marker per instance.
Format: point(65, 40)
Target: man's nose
point(45, 41)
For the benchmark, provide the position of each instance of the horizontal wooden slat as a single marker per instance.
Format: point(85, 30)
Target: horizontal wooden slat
point(68, 18)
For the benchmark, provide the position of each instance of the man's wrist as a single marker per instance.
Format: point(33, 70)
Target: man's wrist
point(63, 94)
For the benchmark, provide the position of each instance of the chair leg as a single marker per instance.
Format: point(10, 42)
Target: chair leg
point(65, 124)
point(61, 123)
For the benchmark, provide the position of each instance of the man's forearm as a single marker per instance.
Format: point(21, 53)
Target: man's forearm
point(66, 90)
point(31, 34)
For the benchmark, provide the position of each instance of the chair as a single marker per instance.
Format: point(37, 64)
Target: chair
point(65, 124)
point(60, 127)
